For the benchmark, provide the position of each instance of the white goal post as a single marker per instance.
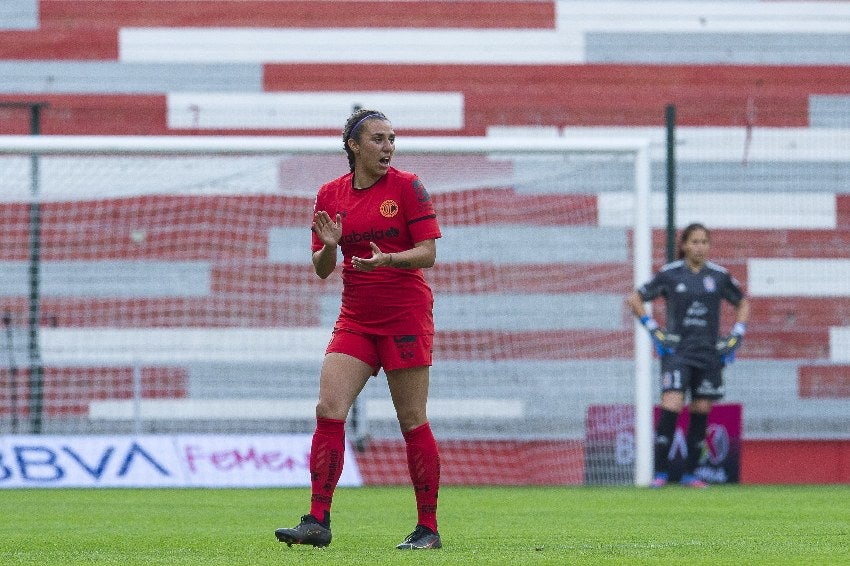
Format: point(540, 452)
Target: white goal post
point(50, 169)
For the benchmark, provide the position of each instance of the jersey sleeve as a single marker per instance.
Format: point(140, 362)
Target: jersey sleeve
point(419, 210)
point(653, 289)
point(732, 290)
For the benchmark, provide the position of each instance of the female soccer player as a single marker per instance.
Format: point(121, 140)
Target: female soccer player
point(383, 221)
point(692, 352)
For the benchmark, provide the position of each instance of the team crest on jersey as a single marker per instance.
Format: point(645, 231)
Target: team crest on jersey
point(708, 283)
point(389, 208)
point(681, 288)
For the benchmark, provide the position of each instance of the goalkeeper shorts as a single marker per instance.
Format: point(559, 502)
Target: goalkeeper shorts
point(700, 382)
point(379, 351)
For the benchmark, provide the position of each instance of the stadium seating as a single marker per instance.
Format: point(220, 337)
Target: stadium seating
point(753, 101)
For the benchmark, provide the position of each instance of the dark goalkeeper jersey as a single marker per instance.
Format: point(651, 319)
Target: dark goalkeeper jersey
point(693, 304)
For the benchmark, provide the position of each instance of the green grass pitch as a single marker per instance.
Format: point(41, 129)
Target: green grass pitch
point(479, 525)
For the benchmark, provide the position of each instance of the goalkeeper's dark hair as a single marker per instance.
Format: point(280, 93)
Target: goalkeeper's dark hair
point(353, 125)
point(686, 233)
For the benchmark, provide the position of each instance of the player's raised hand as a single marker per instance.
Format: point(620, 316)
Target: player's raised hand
point(378, 259)
point(329, 231)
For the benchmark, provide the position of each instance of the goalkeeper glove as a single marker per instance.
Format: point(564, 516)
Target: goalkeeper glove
point(728, 345)
point(664, 342)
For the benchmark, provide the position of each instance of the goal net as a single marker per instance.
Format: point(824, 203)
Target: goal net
point(161, 285)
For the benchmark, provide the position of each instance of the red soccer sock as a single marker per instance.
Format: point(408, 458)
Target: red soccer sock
point(423, 461)
point(326, 459)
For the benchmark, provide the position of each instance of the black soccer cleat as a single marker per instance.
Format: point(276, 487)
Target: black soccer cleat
point(308, 531)
point(421, 538)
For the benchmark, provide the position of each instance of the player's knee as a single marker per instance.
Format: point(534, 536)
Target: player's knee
point(330, 410)
point(410, 419)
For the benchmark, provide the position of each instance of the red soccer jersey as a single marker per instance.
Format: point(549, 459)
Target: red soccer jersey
point(395, 213)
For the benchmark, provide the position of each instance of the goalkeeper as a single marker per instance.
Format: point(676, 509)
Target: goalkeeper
point(692, 351)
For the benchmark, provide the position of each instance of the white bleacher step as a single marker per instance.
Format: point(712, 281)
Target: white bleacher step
point(728, 210)
point(798, 277)
point(292, 409)
point(839, 344)
point(174, 346)
point(309, 110)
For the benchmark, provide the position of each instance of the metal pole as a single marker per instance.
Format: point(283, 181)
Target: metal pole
point(13, 371)
point(670, 119)
point(642, 251)
point(36, 370)
point(36, 367)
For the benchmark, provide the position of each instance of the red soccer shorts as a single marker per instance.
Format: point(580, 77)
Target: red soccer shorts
point(390, 352)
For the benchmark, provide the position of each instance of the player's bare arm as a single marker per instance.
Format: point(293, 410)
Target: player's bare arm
point(636, 304)
point(329, 232)
point(422, 255)
point(742, 311)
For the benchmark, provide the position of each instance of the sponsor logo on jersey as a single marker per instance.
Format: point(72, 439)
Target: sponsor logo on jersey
point(709, 284)
point(696, 308)
point(370, 236)
point(695, 315)
point(389, 208)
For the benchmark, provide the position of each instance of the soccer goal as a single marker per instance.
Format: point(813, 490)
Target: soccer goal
point(161, 284)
